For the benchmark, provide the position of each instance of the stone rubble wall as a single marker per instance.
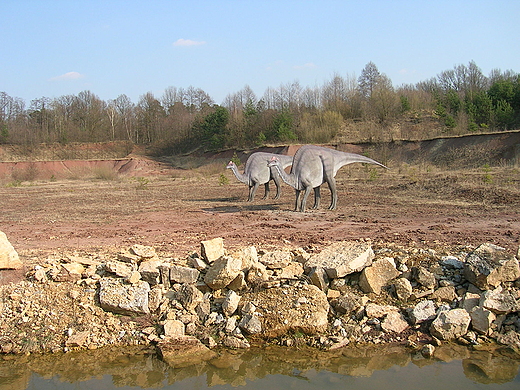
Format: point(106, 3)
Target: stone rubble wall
point(347, 293)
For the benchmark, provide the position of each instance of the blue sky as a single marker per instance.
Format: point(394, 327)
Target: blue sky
point(53, 47)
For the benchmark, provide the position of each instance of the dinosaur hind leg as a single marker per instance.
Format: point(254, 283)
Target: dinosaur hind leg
point(266, 194)
point(317, 198)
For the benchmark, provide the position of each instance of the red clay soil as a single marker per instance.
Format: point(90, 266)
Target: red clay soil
point(173, 210)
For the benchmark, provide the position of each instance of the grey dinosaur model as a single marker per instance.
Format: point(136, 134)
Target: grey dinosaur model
point(314, 165)
point(257, 171)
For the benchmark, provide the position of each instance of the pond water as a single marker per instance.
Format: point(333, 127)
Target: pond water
point(454, 367)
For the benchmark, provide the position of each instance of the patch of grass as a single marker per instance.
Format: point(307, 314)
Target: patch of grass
point(142, 183)
point(223, 180)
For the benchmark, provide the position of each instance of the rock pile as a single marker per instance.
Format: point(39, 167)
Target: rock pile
point(349, 292)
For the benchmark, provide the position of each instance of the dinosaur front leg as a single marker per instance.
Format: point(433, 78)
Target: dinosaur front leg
point(317, 198)
point(297, 204)
point(304, 200)
point(252, 192)
point(266, 194)
point(277, 183)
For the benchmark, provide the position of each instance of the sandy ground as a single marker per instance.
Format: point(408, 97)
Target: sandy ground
point(173, 210)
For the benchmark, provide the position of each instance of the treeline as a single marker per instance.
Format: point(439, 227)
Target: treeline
point(460, 100)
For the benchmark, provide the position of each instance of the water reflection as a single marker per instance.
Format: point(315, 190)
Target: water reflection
point(275, 367)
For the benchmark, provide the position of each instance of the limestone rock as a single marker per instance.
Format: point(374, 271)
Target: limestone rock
point(212, 250)
point(292, 271)
point(403, 289)
point(9, 258)
point(319, 278)
point(423, 311)
point(70, 272)
point(469, 301)
point(276, 259)
point(119, 297)
point(424, 277)
point(489, 265)
point(450, 324)
point(257, 274)
point(235, 342)
point(481, 319)
point(374, 310)
point(230, 304)
point(248, 256)
point(347, 303)
point(444, 294)
point(182, 275)
point(374, 277)
point(77, 339)
point(119, 268)
point(498, 301)
point(342, 258)
point(239, 283)
point(150, 271)
point(289, 309)
point(251, 324)
point(143, 252)
point(173, 328)
point(184, 351)
point(189, 296)
point(394, 322)
point(222, 272)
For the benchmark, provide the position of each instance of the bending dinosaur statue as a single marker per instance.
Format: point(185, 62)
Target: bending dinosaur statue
point(257, 171)
point(314, 165)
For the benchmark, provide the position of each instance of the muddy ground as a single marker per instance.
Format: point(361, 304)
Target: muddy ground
point(173, 210)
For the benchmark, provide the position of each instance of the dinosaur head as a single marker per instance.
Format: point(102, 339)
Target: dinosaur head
point(231, 164)
point(274, 161)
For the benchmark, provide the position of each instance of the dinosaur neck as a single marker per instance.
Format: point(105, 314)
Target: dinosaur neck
point(240, 176)
point(289, 179)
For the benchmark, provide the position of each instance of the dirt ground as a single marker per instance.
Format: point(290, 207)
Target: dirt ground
point(174, 210)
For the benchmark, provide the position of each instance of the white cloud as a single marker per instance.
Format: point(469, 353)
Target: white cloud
point(68, 76)
point(308, 65)
point(187, 42)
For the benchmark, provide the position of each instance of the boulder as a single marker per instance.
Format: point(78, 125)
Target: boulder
point(222, 272)
point(444, 294)
point(403, 289)
point(173, 328)
point(347, 303)
point(119, 297)
point(342, 258)
point(394, 322)
point(424, 277)
point(469, 301)
point(150, 271)
point(489, 265)
point(119, 268)
point(70, 272)
point(319, 278)
point(143, 252)
point(450, 324)
point(230, 304)
point(498, 301)
point(481, 320)
point(374, 310)
point(189, 296)
point(212, 250)
point(423, 311)
point(290, 309)
point(374, 277)
point(257, 274)
point(184, 351)
point(9, 258)
point(251, 324)
point(77, 339)
point(276, 259)
point(182, 275)
point(248, 256)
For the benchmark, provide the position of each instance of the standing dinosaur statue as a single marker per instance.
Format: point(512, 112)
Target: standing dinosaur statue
point(257, 171)
point(314, 165)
